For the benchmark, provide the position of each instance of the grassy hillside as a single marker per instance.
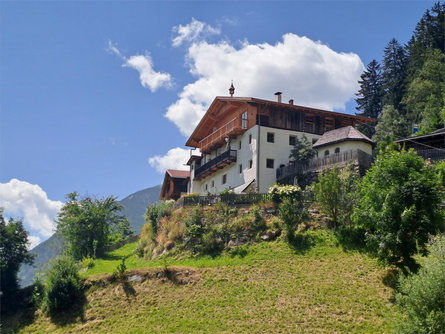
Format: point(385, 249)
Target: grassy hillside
point(134, 209)
point(315, 287)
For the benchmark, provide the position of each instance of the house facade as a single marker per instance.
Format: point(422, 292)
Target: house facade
point(243, 141)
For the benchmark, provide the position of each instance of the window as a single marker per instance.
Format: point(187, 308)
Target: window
point(240, 169)
point(250, 139)
point(191, 166)
point(292, 140)
point(269, 163)
point(213, 183)
point(224, 179)
point(250, 163)
point(207, 186)
point(337, 150)
point(270, 137)
point(239, 145)
point(326, 153)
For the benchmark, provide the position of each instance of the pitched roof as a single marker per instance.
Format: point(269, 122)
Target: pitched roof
point(348, 133)
point(179, 174)
point(212, 114)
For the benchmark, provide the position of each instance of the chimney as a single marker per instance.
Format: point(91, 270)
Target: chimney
point(291, 101)
point(278, 94)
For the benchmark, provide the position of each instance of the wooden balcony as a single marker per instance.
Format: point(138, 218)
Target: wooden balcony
point(215, 164)
point(217, 138)
point(317, 165)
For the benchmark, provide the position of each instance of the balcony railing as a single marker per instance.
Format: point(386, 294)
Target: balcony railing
point(319, 164)
point(231, 129)
point(213, 165)
point(433, 154)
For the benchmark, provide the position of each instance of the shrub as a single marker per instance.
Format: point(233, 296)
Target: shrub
point(194, 230)
point(291, 212)
point(278, 193)
point(335, 193)
point(421, 295)
point(87, 263)
point(155, 212)
point(399, 207)
point(63, 285)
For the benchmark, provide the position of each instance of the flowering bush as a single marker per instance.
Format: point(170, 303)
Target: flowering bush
point(278, 193)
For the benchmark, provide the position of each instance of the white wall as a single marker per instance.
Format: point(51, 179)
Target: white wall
point(346, 146)
point(234, 177)
point(279, 151)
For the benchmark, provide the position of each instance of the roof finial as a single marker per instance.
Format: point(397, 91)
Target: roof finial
point(231, 89)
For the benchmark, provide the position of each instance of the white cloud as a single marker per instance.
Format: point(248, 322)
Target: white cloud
point(148, 77)
point(174, 159)
point(23, 199)
point(33, 241)
point(309, 72)
point(193, 31)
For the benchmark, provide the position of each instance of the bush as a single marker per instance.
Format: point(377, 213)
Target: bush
point(155, 212)
point(399, 207)
point(63, 285)
point(335, 193)
point(194, 230)
point(421, 295)
point(278, 193)
point(87, 263)
point(291, 211)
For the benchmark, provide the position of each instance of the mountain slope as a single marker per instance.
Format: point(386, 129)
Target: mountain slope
point(134, 209)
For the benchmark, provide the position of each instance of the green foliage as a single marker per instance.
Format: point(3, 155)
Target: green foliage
point(421, 295)
point(335, 193)
point(302, 152)
point(119, 272)
point(194, 230)
point(14, 252)
point(399, 206)
point(291, 211)
point(89, 224)
point(426, 92)
point(87, 263)
point(155, 212)
point(278, 193)
point(369, 97)
point(63, 286)
point(392, 123)
point(394, 73)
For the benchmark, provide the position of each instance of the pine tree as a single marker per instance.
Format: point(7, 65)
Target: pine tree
point(429, 34)
point(394, 73)
point(425, 95)
point(369, 97)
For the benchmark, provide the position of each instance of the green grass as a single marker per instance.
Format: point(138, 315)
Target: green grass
point(314, 287)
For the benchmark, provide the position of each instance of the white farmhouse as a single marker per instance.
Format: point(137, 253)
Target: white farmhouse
point(244, 141)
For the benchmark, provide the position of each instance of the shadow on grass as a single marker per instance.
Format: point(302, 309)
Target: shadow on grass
point(17, 311)
point(110, 257)
point(73, 314)
point(351, 239)
point(128, 288)
point(300, 243)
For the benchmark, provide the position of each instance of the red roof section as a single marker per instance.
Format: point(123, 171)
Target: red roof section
point(179, 174)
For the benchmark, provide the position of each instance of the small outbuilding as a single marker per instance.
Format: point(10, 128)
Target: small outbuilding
point(175, 184)
point(341, 140)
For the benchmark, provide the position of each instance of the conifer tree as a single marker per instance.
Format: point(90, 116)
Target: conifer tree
point(369, 97)
point(394, 73)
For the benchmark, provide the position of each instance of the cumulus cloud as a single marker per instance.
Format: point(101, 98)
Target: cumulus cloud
point(307, 71)
point(33, 241)
point(23, 199)
point(148, 77)
point(174, 159)
point(193, 31)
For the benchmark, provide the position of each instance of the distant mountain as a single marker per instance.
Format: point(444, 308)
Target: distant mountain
point(134, 209)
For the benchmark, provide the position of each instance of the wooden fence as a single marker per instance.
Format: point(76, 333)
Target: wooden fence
point(319, 164)
point(230, 199)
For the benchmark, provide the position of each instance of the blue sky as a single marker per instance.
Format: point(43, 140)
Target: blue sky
point(91, 91)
